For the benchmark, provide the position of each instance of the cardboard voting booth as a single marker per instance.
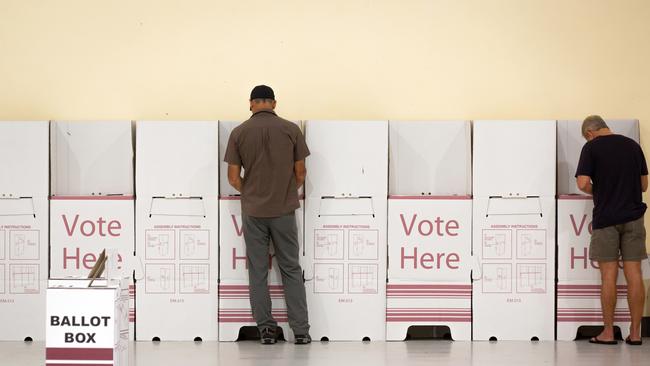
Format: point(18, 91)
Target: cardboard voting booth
point(345, 229)
point(92, 203)
point(87, 325)
point(176, 230)
point(429, 228)
point(234, 303)
point(578, 288)
point(23, 229)
point(514, 230)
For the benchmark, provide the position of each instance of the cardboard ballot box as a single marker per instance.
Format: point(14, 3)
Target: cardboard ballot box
point(24, 158)
point(429, 228)
point(578, 288)
point(92, 204)
point(514, 230)
point(177, 230)
point(234, 303)
point(87, 325)
point(345, 229)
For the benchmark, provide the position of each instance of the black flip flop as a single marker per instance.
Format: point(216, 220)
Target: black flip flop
point(633, 343)
point(595, 340)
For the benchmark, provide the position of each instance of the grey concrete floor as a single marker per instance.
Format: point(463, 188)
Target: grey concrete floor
point(358, 354)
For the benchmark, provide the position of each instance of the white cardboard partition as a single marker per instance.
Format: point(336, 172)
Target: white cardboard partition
point(429, 228)
point(87, 325)
point(345, 229)
point(92, 158)
point(23, 229)
point(234, 303)
point(578, 297)
point(92, 204)
point(177, 230)
point(514, 230)
point(430, 158)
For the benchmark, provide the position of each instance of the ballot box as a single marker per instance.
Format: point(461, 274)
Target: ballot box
point(87, 324)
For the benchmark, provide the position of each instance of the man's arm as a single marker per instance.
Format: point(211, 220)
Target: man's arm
point(644, 183)
point(584, 184)
point(300, 172)
point(234, 176)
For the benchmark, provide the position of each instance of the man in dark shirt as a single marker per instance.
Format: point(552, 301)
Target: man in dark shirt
point(613, 169)
point(272, 152)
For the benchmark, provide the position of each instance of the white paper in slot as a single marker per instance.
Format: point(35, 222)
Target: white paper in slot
point(23, 206)
point(188, 207)
point(498, 206)
point(339, 206)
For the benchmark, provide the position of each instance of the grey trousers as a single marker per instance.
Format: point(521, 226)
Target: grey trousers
point(258, 232)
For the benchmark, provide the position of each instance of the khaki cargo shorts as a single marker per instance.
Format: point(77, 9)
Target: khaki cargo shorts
point(613, 242)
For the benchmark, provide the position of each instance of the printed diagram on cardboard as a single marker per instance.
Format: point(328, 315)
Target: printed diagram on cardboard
point(530, 275)
point(363, 244)
point(531, 278)
point(328, 244)
point(497, 244)
point(159, 244)
point(531, 244)
point(24, 245)
point(328, 278)
point(195, 278)
point(24, 279)
point(160, 278)
point(497, 277)
point(363, 279)
point(195, 244)
point(2, 279)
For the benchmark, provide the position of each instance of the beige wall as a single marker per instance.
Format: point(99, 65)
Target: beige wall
point(335, 59)
point(415, 59)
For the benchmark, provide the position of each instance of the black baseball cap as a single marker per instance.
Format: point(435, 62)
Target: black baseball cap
point(262, 92)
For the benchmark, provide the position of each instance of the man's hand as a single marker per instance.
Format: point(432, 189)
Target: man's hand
point(300, 172)
point(234, 176)
point(584, 184)
point(644, 183)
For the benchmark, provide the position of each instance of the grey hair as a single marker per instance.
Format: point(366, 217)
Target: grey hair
point(593, 123)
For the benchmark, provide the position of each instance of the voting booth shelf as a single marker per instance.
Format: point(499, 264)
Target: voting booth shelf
point(429, 228)
point(578, 288)
point(92, 204)
point(234, 302)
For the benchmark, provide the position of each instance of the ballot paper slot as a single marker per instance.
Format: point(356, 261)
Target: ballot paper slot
point(191, 206)
point(17, 206)
point(346, 206)
point(514, 205)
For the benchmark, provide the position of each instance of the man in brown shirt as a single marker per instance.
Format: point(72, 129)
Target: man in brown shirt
point(272, 152)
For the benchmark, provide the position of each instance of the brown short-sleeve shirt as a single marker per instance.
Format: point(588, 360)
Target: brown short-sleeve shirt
point(267, 147)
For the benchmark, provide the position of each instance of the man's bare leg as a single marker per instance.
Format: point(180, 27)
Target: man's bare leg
point(635, 296)
point(608, 275)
